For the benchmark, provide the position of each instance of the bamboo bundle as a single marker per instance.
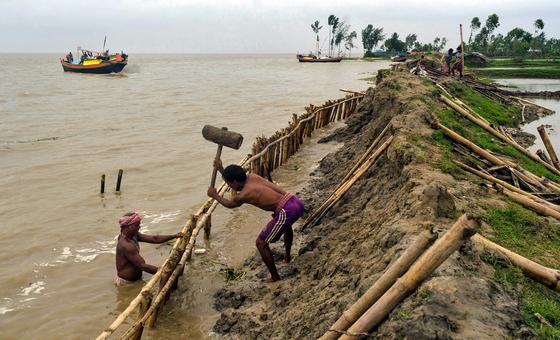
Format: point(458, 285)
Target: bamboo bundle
point(548, 146)
point(499, 135)
point(509, 186)
point(342, 189)
point(432, 258)
point(396, 270)
point(547, 276)
point(348, 175)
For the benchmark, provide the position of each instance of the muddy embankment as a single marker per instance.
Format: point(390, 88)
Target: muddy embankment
point(339, 258)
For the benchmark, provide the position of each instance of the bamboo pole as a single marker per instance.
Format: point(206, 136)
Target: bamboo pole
point(498, 134)
point(547, 276)
point(528, 203)
point(548, 146)
point(396, 270)
point(462, 47)
point(462, 230)
point(508, 186)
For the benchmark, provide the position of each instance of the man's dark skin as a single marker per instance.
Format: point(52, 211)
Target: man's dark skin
point(130, 264)
point(263, 194)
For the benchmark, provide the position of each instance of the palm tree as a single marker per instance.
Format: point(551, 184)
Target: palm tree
point(316, 28)
point(539, 25)
point(475, 25)
point(332, 21)
point(341, 34)
point(348, 42)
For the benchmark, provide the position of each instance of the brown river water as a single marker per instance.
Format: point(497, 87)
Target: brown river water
point(60, 131)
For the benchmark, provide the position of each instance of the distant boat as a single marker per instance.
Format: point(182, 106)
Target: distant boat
point(313, 59)
point(94, 62)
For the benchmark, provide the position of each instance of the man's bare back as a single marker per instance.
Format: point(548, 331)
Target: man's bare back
point(266, 195)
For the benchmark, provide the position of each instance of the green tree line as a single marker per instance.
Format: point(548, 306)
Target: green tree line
point(517, 43)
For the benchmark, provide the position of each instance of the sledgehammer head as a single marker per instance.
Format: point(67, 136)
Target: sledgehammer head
point(222, 136)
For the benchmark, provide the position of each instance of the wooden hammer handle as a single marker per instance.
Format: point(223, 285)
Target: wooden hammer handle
point(218, 155)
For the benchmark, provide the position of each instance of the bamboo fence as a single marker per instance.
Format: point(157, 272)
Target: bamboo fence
point(268, 154)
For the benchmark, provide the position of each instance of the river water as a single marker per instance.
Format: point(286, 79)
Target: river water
point(551, 122)
point(60, 131)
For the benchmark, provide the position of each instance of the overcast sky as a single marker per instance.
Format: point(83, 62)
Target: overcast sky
point(243, 26)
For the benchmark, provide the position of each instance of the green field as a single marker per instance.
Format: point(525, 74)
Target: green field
point(527, 68)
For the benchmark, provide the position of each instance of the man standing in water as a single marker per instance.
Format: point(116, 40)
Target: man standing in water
point(266, 195)
point(130, 264)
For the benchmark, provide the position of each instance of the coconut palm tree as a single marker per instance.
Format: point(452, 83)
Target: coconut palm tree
point(332, 21)
point(475, 25)
point(316, 28)
point(349, 43)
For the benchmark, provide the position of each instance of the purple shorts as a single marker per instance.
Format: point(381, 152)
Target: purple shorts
point(288, 211)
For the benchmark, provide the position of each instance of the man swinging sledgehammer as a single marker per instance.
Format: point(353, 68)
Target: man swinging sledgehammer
point(253, 189)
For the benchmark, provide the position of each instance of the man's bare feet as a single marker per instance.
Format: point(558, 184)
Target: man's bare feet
point(271, 280)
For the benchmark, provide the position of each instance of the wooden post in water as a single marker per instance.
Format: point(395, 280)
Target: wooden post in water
point(119, 179)
point(548, 146)
point(102, 190)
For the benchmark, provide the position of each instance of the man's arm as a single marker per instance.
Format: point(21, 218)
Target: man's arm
point(133, 255)
point(157, 238)
point(233, 203)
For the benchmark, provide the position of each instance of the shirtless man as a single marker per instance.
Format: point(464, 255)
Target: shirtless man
point(266, 195)
point(130, 264)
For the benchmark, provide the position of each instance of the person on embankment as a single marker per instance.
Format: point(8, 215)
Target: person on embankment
point(130, 264)
point(255, 190)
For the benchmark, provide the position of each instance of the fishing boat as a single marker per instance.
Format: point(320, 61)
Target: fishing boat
point(399, 58)
point(95, 62)
point(310, 58)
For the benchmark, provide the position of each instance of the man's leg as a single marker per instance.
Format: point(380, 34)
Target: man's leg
point(268, 260)
point(288, 239)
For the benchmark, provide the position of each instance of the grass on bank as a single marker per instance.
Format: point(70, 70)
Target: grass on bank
point(534, 237)
point(526, 68)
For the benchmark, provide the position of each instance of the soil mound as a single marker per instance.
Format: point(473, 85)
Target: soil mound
point(339, 258)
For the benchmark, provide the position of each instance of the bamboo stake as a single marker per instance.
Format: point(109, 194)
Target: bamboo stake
point(547, 276)
point(462, 47)
point(548, 146)
point(461, 231)
point(508, 186)
point(396, 270)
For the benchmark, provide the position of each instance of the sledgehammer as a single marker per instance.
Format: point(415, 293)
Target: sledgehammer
point(222, 137)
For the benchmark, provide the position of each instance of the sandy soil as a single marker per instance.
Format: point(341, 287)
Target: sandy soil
point(338, 259)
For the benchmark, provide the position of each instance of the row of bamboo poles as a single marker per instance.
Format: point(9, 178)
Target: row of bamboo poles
point(268, 154)
point(271, 152)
